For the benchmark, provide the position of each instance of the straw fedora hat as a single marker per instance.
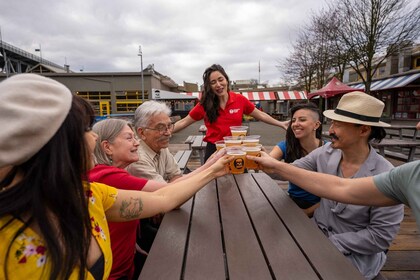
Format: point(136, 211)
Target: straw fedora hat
point(360, 108)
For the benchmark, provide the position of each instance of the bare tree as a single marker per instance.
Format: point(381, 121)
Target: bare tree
point(327, 23)
point(298, 67)
point(309, 62)
point(372, 27)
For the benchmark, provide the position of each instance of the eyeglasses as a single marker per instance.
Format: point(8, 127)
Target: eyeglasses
point(162, 128)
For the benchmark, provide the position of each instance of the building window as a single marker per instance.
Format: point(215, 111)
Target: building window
point(417, 62)
point(353, 77)
point(408, 104)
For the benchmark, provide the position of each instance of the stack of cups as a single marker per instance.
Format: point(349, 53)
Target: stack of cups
point(239, 145)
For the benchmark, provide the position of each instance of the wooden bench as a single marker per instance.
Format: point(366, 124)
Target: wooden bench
point(199, 145)
point(403, 131)
point(182, 157)
point(396, 155)
point(189, 141)
point(403, 135)
point(388, 146)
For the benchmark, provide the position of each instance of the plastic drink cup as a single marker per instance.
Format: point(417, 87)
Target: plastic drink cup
point(252, 151)
point(220, 144)
point(237, 165)
point(232, 141)
point(251, 140)
point(238, 130)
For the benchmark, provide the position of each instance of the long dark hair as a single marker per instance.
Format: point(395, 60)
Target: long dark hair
point(51, 194)
point(293, 148)
point(376, 133)
point(209, 100)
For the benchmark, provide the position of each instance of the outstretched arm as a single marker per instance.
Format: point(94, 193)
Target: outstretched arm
point(361, 191)
point(131, 205)
point(183, 123)
point(264, 117)
point(211, 160)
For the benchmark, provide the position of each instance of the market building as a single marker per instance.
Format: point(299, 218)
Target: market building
point(396, 83)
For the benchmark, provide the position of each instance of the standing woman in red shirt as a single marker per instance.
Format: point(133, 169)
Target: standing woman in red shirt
point(221, 109)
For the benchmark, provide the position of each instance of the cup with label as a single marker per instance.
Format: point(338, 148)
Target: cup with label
point(237, 165)
point(252, 151)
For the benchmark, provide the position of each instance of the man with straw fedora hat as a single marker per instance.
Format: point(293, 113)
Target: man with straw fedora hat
point(363, 234)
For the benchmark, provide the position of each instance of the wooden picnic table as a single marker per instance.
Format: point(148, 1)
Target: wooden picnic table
point(197, 144)
point(400, 129)
point(396, 143)
point(182, 157)
point(243, 227)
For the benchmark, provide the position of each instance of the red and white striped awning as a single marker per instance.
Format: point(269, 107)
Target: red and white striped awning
point(195, 94)
point(263, 95)
point(294, 95)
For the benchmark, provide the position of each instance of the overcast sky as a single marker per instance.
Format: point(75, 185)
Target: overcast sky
point(180, 37)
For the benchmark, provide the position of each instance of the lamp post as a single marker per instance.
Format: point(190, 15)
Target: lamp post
point(142, 80)
point(40, 57)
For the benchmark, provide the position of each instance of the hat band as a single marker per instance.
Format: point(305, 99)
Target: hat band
point(356, 116)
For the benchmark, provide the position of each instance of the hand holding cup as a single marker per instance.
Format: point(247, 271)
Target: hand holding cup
point(265, 162)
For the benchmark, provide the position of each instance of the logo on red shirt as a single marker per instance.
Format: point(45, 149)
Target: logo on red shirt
point(233, 111)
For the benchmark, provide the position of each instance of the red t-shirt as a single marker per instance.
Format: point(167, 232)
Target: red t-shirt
point(236, 106)
point(123, 235)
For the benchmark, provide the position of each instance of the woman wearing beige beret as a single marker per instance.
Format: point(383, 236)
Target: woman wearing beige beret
point(53, 222)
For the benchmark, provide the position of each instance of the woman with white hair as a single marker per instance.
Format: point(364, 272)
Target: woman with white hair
point(53, 222)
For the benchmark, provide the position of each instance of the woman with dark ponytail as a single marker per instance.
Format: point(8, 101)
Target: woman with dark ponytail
point(302, 137)
point(221, 108)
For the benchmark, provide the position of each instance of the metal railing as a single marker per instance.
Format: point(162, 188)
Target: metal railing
point(11, 48)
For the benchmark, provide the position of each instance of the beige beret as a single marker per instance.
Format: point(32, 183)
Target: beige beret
point(32, 109)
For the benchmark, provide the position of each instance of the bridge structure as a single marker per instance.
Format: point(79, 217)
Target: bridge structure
point(15, 60)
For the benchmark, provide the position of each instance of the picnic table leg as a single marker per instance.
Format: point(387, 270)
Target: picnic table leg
point(201, 152)
point(382, 151)
point(411, 154)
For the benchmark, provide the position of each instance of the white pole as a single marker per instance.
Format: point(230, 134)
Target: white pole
point(142, 79)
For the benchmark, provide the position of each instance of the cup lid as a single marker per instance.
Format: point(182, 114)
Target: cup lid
point(238, 128)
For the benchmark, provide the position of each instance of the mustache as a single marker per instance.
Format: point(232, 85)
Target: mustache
point(164, 138)
point(333, 136)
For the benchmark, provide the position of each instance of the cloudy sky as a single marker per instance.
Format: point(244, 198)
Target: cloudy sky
point(180, 37)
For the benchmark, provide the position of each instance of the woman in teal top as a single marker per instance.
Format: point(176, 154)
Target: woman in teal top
point(302, 137)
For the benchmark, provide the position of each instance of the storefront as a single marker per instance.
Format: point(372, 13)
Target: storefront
point(180, 103)
point(401, 95)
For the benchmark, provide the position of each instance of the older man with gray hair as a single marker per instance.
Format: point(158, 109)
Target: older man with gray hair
point(154, 128)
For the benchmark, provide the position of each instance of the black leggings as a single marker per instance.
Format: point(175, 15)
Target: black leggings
point(210, 149)
point(303, 204)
